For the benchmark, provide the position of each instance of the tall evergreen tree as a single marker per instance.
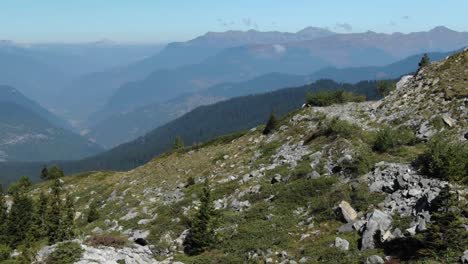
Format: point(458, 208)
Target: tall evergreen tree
point(69, 219)
point(201, 234)
point(178, 144)
point(19, 219)
point(54, 228)
point(3, 215)
point(93, 213)
point(271, 124)
point(425, 61)
point(44, 173)
point(41, 212)
point(55, 173)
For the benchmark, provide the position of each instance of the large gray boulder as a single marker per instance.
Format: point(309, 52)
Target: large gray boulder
point(342, 244)
point(377, 221)
point(346, 212)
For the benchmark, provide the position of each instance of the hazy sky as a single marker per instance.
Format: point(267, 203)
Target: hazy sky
point(170, 20)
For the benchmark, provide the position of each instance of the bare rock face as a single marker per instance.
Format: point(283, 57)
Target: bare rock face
point(346, 212)
point(107, 255)
point(377, 221)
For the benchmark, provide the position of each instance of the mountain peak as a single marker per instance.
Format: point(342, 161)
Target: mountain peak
point(314, 30)
point(441, 29)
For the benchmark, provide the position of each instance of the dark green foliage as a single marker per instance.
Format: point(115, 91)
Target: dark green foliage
point(387, 138)
point(55, 173)
point(44, 174)
point(93, 213)
point(19, 219)
point(68, 219)
point(362, 163)
point(41, 214)
point(201, 235)
point(385, 87)
point(335, 127)
point(190, 181)
point(445, 160)
point(327, 98)
point(178, 144)
point(445, 236)
point(54, 216)
point(3, 214)
point(271, 125)
point(22, 185)
point(425, 61)
point(5, 252)
point(362, 198)
point(66, 253)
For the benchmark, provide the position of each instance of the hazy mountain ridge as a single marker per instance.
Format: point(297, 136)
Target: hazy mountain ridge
point(295, 57)
point(129, 125)
point(26, 136)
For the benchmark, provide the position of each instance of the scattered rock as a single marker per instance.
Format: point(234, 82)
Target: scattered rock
point(345, 212)
point(374, 260)
point(341, 243)
point(464, 258)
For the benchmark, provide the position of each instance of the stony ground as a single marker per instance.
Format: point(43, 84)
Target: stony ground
point(282, 198)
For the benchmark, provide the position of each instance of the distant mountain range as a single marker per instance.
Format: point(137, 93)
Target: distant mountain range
point(41, 70)
point(29, 132)
point(127, 126)
point(95, 89)
point(282, 54)
point(199, 125)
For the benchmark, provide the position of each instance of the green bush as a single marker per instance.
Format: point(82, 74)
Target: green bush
point(334, 127)
point(327, 98)
point(361, 163)
point(5, 252)
point(385, 87)
point(387, 138)
point(66, 253)
point(445, 160)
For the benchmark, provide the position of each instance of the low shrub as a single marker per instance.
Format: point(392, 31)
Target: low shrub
point(327, 98)
point(335, 127)
point(444, 160)
point(107, 240)
point(5, 252)
point(387, 138)
point(66, 253)
point(361, 163)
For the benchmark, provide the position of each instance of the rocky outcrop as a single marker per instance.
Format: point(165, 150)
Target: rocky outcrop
point(378, 224)
point(108, 255)
point(408, 192)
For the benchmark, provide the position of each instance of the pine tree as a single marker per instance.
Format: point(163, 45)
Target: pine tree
point(55, 173)
point(53, 222)
point(178, 144)
point(19, 219)
point(93, 213)
point(271, 124)
point(425, 61)
point(3, 216)
point(41, 212)
point(69, 219)
point(44, 173)
point(201, 233)
point(445, 234)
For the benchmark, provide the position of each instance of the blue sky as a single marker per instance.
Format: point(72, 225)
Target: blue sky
point(175, 20)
